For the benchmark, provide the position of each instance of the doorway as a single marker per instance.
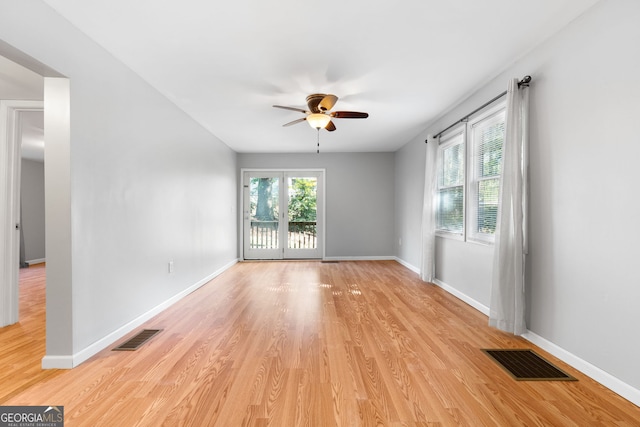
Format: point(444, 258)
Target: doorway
point(11, 112)
point(283, 214)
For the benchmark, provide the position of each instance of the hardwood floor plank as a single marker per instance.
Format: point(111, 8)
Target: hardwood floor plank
point(303, 344)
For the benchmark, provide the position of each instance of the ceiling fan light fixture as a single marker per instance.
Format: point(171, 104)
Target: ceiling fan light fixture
point(318, 120)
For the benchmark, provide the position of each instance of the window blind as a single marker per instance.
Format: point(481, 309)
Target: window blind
point(450, 216)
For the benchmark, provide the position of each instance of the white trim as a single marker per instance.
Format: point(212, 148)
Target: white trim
point(36, 261)
point(614, 384)
point(68, 362)
point(10, 138)
point(461, 296)
point(57, 362)
point(407, 265)
point(359, 258)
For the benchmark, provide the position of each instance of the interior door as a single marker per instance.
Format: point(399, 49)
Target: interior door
point(282, 214)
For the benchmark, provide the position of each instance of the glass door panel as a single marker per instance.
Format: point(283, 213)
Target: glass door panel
point(303, 238)
point(262, 214)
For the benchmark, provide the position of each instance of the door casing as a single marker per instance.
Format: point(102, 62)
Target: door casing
point(10, 159)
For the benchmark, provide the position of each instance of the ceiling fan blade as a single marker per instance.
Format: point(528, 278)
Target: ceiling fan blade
point(295, 121)
point(328, 102)
point(300, 110)
point(330, 126)
point(349, 115)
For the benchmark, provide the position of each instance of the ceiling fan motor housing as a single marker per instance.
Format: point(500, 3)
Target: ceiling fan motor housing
point(313, 102)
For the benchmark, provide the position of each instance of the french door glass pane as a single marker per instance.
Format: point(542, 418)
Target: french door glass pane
point(264, 194)
point(302, 208)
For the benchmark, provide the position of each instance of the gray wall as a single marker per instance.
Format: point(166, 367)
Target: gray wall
point(409, 186)
point(32, 197)
point(18, 82)
point(359, 198)
point(582, 282)
point(148, 185)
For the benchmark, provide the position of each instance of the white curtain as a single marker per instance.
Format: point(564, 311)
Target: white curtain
point(507, 310)
point(427, 268)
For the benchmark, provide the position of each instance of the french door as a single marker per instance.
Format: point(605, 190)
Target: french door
point(283, 214)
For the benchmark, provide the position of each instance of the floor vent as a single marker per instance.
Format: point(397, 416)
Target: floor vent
point(135, 342)
point(525, 365)
point(330, 262)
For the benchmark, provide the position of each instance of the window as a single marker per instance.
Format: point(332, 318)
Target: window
point(486, 138)
point(450, 213)
point(469, 163)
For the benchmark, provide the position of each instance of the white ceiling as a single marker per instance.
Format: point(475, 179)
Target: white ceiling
point(405, 62)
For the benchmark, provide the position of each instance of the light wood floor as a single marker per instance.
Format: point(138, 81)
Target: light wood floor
point(305, 344)
point(22, 345)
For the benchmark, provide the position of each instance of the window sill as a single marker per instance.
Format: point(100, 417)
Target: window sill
point(452, 236)
point(480, 241)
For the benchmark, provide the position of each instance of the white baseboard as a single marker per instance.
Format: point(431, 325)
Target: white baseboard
point(36, 261)
point(57, 362)
point(359, 258)
point(623, 389)
point(68, 362)
point(614, 384)
point(409, 266)
point(456, 293)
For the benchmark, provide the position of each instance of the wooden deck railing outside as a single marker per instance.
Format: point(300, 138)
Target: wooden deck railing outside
point(300, 235)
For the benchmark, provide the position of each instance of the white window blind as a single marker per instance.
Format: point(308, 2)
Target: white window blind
point(451, 185)
point(486, 139)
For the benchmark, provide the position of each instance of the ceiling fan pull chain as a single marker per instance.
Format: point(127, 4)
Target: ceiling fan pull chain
point(318, 149)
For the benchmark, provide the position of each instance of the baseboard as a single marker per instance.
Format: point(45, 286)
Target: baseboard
point(359, 258)
point(461, 296)
point(68, 362)
point(36, 261)
point(57, 362)
point(623, 389)
point(407, 265)
point(612, 383)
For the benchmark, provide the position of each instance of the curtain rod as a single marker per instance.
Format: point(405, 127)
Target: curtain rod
point(524, 82)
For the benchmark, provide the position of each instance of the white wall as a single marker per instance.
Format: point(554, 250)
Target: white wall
point(359, 198)
point(32, 196)
point(147, 185)
point(582, 283)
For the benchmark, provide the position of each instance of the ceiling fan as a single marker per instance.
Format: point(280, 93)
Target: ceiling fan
point(318, 115)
